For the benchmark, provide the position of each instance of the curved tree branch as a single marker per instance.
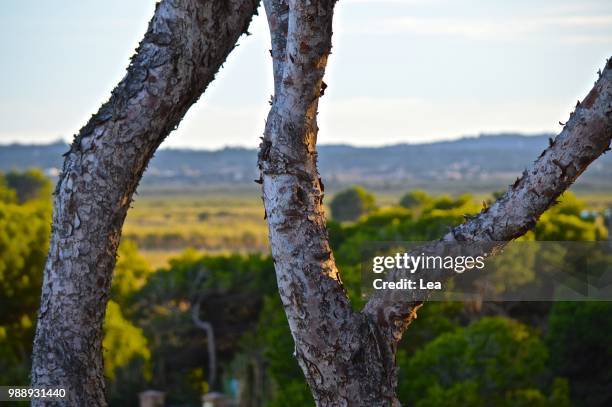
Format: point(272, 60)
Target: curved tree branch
point(585, 137)
point(184, 46)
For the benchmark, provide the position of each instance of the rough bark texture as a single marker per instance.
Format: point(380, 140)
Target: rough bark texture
point(185, 44)
point(348, 357)
point(585, 137)
point(339, 350)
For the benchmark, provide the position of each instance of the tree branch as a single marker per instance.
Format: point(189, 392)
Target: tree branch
point(197, 296)
point(184, 46)
point(277, 12)
point(210, 341)
point(585, 137)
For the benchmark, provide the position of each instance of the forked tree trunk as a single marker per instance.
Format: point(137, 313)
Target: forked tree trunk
point(348, 357)
point(185, 44)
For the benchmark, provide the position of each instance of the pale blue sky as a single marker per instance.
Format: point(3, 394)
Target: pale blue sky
point(401, 70)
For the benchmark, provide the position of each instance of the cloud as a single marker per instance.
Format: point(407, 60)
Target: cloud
point(587, 39)
point(566, 28)
point(585, 21)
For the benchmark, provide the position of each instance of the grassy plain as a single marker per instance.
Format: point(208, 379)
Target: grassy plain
point(165, 223)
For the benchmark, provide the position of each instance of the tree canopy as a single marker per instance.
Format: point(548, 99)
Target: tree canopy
point(350, 204)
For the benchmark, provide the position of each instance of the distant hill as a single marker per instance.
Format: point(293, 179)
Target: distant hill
point(481, 163)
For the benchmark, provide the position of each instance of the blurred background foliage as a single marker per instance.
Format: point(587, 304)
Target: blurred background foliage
point(25, 213)
point(454, 354)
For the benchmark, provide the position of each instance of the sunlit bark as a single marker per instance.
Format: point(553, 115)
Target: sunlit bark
point(184, 46)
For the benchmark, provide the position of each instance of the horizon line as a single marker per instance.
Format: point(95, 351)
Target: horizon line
point(376, 146)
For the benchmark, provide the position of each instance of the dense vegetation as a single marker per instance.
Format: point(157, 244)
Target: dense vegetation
point(24, 231)
point(455, 354)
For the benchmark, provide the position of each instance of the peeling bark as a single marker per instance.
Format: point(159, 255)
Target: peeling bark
point(340, 351)
point(184, 46)
point(348, 357)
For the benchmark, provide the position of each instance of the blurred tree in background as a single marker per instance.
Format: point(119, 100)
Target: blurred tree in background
point(350, 204)
point(24, 233)
point(232, 289)
point(579, 338)
point(491, 362)
point(131, 273)
point(29, 186)
point(415, 199)
point(122, 342)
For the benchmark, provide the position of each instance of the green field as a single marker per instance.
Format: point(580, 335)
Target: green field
point(165, 223)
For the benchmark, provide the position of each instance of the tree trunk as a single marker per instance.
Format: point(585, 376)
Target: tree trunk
point(184, 46)
point(339, 350)
point(348, 357)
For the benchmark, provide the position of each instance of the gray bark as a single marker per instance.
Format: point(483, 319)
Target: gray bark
point(184, 46)
point(348, 357)
point(339, 350)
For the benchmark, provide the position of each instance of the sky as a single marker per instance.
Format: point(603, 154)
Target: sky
point(401, 71)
